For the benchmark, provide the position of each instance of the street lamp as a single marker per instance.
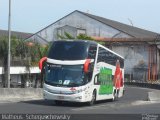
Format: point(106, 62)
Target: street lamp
point(9, 42)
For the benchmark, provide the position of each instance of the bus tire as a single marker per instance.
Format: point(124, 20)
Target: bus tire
point(57, 102)
point(93, 100)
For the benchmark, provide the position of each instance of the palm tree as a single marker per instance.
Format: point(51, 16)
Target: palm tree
point(3, 58)
point(4, 55)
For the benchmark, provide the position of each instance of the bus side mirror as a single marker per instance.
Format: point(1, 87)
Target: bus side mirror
point(41, 62)
point(87, 65)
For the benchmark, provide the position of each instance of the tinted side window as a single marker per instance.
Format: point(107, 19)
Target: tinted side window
point(92, 51)
point(108, 57)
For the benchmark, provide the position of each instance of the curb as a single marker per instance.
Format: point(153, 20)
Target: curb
point(144, 85)
point(154, 96)
point(16, 100)
point(20, 94)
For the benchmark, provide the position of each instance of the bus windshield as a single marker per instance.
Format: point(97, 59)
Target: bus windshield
point(65, 75)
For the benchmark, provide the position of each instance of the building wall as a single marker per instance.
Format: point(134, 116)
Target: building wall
point(18, 72)
point(137, 61)
point(134, 54)
point(71, 30)
point(78, 20)
point(19, 80)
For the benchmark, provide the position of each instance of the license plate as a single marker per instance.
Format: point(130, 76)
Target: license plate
point(60, 97)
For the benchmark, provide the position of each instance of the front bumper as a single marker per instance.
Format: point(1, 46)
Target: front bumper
point(62, 97)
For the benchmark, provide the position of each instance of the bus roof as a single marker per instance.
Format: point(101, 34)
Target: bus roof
point(110, 51)
point(79, 40)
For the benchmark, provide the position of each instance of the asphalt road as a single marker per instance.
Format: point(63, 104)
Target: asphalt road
point(133, 102)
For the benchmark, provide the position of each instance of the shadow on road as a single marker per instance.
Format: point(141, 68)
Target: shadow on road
point(64, 104)
point(39, 102)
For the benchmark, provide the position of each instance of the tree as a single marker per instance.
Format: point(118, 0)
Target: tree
point(84, 37)
point(36, 51)
point(27, 54)
point(4, 55)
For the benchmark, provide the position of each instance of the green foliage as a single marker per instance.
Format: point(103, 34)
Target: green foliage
point(36, 52)
point(79, 37)
point(84, 37)
point(3, 47)
point(21, 50)
point(68, 36)
point(60, 36)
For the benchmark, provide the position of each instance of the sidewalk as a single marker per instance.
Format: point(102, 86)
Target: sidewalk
point(154, 95)
point(13, 100)
point(20, 94)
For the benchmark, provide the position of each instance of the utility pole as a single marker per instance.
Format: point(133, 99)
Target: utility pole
point(130, 22)
point(9, 43)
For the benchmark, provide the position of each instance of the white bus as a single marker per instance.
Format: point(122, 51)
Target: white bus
point(82, 71)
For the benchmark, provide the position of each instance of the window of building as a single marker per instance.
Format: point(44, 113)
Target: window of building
point(81, 31)
point(92, 51)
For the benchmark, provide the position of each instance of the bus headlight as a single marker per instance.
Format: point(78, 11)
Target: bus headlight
point(79, 91)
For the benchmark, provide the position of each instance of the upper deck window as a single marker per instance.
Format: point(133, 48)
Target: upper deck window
point(68, 50)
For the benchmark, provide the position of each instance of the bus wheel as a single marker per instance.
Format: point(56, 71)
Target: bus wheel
point(57, 102)
point(93, 100)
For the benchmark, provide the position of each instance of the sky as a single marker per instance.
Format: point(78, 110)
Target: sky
point(33, 15)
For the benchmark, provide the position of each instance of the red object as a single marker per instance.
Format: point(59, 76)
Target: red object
point(42, 60)
point(30, 44)
point(86, 65)
point(118, 76)
point(121, 79)
point(73, 89)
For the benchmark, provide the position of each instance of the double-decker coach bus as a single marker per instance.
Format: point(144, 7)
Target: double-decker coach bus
point(82, 71)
